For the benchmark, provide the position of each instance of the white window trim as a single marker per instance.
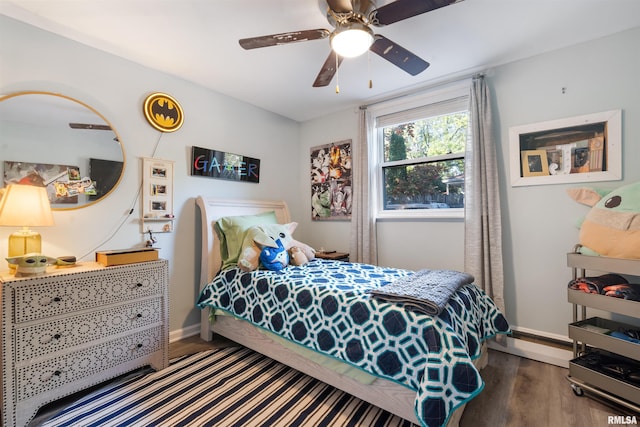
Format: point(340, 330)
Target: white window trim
point(452, 213)
point(439, 94)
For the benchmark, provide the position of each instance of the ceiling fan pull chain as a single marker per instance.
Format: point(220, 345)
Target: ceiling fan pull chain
point(369, 69)
point(337, 75)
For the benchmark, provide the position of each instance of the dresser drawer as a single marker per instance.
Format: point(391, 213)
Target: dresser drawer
point(56, 335)
point(36, 378)
point(39, 298)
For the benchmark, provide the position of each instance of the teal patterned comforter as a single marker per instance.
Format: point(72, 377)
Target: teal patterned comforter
point(325, 306)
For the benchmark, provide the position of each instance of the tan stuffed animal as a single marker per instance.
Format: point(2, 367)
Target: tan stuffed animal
point(297, 256)
point(612, 226)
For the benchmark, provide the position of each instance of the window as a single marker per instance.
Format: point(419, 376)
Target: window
point(420, 156)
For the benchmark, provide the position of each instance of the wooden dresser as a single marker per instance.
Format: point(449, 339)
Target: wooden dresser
point(77, 327)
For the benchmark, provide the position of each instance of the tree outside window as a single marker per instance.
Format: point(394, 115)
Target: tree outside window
point(423, 162)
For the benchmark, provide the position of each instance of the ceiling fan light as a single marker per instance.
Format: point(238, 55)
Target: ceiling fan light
point(351, 41)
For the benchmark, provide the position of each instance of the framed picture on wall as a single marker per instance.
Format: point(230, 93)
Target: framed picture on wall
point(576, 149)
point(331, 181)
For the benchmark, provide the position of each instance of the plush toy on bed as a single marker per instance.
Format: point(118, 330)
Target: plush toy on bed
point(612, 226)
point(297, 256)
point(274, 258)
point(262, 236)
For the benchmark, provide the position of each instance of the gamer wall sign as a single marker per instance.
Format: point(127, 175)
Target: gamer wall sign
point(218, 164)
point(163, 112)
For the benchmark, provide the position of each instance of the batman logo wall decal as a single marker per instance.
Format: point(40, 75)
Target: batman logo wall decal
point(163, 112)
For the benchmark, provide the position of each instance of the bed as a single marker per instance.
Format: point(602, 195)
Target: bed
point(418, 395)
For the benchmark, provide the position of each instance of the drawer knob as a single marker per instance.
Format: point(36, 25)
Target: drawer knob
point(54, 375)
point(50, 338)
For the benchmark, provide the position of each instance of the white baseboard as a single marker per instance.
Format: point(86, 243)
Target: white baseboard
point(184, 333)
point(534, 351)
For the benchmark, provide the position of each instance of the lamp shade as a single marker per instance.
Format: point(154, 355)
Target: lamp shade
point(352, 40)
point(25, 206)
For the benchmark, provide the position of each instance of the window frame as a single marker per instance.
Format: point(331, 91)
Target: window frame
point(408, 103)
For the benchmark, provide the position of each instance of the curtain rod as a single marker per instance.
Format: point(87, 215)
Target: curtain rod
point(475, 75)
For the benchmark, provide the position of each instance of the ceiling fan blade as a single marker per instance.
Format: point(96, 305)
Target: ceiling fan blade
point(283, 38)
point(89, 126)
point(328, 70)
point(403, 9)
point(340, 6)
point(398, 55)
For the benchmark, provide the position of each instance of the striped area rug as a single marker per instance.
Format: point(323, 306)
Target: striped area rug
point(231, 386)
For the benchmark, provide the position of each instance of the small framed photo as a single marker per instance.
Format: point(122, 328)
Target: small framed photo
point(535, 163)
point(158, 172)
point(158, 206)
point(158, 189)
point(555, 160)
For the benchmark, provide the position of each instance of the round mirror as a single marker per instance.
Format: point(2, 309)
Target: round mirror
point(62, 144)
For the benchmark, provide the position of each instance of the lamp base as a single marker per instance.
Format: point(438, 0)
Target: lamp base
point(24, 242)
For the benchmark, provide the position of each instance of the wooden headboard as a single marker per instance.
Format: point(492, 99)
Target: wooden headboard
point(211, 210)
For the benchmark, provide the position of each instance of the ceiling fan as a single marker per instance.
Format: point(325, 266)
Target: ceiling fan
point(353, 36)
point(89, 126)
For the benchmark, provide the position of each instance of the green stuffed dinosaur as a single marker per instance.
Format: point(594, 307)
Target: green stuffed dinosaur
point(612, 226)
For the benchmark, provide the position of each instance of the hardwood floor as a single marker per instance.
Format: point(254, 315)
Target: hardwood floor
point(521, 392)
point(194, 344)
point(518, 393)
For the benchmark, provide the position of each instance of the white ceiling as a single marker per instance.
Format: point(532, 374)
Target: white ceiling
point(197, 40)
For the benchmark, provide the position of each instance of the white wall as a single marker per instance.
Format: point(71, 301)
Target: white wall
point(538, 222)
point(32, 59)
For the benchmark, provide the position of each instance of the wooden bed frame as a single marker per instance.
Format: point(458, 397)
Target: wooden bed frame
point(385, 394)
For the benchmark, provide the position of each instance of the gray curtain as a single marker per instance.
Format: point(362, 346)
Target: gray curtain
point(483, 231)
point(363, 246)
